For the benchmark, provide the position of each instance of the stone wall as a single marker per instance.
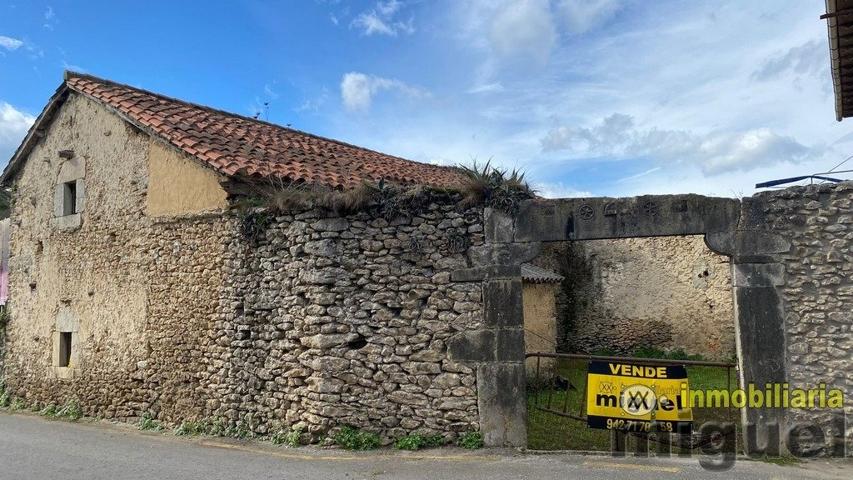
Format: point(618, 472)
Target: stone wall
point(818, 286)
point(331, 321)
point(670, 293)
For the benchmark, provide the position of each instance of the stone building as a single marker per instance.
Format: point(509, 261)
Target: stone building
point(142, 280)
point(134, 287)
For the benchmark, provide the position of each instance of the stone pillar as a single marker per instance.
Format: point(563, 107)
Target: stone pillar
point(759, 324)
point(496, 350)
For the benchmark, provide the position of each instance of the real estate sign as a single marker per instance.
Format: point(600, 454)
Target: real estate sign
point(624, 396)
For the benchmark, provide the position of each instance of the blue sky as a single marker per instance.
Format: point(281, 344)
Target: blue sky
point(589, 97)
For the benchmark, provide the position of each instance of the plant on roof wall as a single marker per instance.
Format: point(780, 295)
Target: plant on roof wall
point(494, 187)
point(482, 185)
point(381, 199)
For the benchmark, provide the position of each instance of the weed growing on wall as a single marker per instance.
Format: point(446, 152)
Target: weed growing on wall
point(494, 187)
point(352, 438)
point(417, 442)
point(17, 404)
point(471, 440)
point(191, 428)
point(290, 438)
point(147, 422)
point(479, 185)
point(48, 411)
point(70, 411)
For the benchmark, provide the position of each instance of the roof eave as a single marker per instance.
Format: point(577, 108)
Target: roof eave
point(36, 131)
point(834, 57)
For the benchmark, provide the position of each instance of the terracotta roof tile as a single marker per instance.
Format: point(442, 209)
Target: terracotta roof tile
point(233, 144)
point(533, 274)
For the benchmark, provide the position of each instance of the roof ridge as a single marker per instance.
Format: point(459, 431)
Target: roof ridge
point(67, 74)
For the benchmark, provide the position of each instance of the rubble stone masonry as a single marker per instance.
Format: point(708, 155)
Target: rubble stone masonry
point(818, 286)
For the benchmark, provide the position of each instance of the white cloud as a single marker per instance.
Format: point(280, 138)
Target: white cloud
point(715, 152)
point(389, 7)
point(581, 16)
point(524, 30)
point(493, 87)
point(313, 105)
point(810, 58)
point(73, 67)
point(558, 190)
point(758, 99)
point(50, 18)
point(10, 43)
point(14, 125)
point(358, 89)
point(382, 20)
point(269, 92)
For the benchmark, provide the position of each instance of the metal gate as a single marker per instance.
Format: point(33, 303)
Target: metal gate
point(551, 392)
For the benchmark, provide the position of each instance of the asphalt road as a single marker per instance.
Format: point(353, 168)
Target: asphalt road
point(33, 448)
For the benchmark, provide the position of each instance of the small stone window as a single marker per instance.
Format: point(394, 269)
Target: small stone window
point(69, 198)
point(65, 344)
point(65, 357)
point(69, 195)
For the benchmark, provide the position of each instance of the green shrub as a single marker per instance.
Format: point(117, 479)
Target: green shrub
point(147, 422)
point(417, 442)
point(5, 397)
point(17, 404)
point(70, 410)
point(471, 440)
point(4, 316)
point(290, 438)
point(48, 411)
point(244, 428)
point(352, 438)
point(494, 187)
point(191, 428)
point(216, 427)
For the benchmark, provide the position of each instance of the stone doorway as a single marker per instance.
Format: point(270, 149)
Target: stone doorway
point(731, 227)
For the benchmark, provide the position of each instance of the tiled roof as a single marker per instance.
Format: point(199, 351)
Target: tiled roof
point(240, 146)
point(533, 274)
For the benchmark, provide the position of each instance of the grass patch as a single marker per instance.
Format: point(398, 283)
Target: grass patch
point(416, 442)
point(191, 428)
point(352, 438)
point(17, 404)
point(70, 411)
point(471, 440)
point(290, 438)
point(5, 396)
point(147, 422)
point(547, 431)
point(218, 427)
point(48, 411)
point(652, 352)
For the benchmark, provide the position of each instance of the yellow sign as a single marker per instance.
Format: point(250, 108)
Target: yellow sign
point(621, 396)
